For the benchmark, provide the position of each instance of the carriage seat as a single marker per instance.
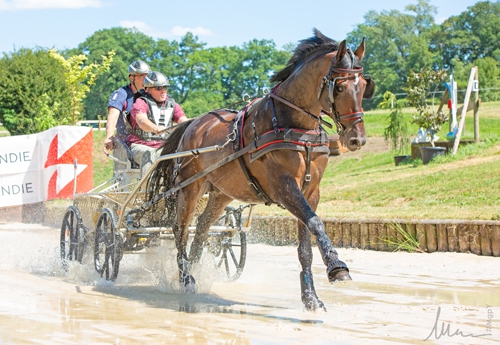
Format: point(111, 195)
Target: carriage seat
point(128, 171)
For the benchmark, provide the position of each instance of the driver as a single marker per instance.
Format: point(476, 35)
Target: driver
point(121, 100)
point(150, 116)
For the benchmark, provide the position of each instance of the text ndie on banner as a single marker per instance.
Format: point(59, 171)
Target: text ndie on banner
point(40, 166)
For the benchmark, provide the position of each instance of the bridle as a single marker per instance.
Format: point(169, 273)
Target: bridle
point(353, 74)
point(355, 117)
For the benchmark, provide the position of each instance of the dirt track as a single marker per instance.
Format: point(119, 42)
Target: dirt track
point(394, 298)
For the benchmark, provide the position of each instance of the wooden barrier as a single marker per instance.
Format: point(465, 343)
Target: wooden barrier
point(479, 237)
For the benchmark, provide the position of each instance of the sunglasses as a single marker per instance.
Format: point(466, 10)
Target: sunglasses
point(160, 88)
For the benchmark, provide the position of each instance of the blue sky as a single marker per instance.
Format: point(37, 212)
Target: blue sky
point(66, 23)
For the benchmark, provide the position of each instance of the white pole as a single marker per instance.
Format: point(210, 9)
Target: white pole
point(464, 110)
point(75, 165)
point(453, 96)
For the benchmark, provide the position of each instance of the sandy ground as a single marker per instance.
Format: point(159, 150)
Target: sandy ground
point(395, 298)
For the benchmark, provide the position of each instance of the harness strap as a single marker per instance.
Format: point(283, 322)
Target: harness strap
point(237, 144)
point(280, 138)
point(255, 185)
point(291, 105)
point(199, 175)
point(307, 176)
point(274, 119)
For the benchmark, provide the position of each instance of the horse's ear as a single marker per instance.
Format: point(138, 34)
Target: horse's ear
point(341, 52)
point(360, 52)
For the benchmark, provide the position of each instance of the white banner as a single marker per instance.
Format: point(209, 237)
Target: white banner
point(40, 166)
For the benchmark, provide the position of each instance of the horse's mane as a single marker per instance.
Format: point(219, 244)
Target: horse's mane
point(318, 44)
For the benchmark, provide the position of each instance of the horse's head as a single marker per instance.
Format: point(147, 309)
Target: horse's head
point(347, 86)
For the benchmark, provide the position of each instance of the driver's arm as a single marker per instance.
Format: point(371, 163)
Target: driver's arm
point(146, 125)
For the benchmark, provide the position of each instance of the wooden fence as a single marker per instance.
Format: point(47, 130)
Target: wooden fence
point(465, 236)
point(449, 235)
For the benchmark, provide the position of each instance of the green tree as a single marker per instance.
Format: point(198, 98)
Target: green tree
point(177, 60)
point(489, 78)
point(30, 78)
point(397, 132)
point(200, 79)
point(421, 86)
point(129, 45)
point(80, 78)
point(471, 35)
point(45, 118)
point(396, 43)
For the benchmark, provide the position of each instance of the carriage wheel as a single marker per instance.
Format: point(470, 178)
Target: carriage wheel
point(234, 254)
point(230, 251)
point(107, 246)
point(72, 238)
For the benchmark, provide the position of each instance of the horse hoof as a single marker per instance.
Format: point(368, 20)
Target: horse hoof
point(190, 288)
point(189, 284)
point(339, 274)
point(313, 305)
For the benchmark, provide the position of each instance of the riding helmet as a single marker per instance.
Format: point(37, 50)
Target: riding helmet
point(138, 67)
point(155, 79)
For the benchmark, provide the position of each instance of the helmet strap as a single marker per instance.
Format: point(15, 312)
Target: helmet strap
point(133, 83)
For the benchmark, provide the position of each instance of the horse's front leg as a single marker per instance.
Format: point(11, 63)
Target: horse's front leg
point(308, 293)
point(295, 202)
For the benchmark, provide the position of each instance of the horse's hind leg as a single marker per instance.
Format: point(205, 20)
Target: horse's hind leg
point(217, 201)
point(187, 199)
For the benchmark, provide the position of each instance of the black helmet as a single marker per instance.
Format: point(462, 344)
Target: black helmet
point(155, 79)
point(138, 67)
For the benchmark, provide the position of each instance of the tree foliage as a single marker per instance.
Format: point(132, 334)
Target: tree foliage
point(396, 43)
point(31, 81)
point(202, 78)
point(472, 35)
point(420, 88)
point(129, 45)
point(397, 132)
point(80, 78)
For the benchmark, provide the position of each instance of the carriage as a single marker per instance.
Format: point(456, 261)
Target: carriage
point(273, 151)
point(102, 222)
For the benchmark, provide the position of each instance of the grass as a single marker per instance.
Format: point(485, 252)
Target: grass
point(103, 165)
point(406, 242)
point(463, 186)
point(489, 117)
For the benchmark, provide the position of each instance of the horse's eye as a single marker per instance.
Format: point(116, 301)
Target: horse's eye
point(339, 88)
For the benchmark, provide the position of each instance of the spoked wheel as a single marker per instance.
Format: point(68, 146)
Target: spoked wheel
point(107, 246)
point(234, 254)
point(230, 250)
point(72, 237)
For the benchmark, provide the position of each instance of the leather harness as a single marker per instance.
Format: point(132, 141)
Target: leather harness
point(277, 139)
point(282, 138)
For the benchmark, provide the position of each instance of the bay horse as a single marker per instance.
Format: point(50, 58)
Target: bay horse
point(275, 152)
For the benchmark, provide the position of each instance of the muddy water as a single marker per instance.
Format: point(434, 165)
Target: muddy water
point(395, 298)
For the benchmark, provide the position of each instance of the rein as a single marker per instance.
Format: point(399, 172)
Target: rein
point(293, 106)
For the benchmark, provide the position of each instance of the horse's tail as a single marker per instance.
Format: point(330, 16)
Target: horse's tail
point(161, 179)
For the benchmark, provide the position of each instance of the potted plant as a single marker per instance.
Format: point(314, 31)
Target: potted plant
point(422, 86)
point(396, 134)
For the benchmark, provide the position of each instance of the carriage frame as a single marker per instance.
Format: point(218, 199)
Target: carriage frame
point(105, 220)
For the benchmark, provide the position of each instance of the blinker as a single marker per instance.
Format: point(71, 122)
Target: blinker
point(370, 87)
point(331, 86)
